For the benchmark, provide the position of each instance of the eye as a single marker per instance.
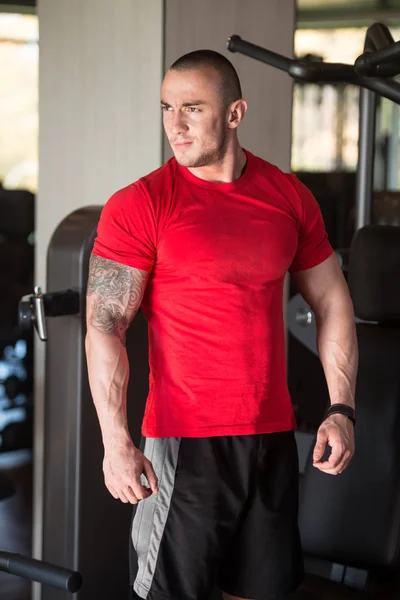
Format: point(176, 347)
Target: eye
point(166, 108)
point(193, 109)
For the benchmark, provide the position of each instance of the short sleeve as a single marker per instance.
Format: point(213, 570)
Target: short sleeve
point(126, 232)
point(313, 244)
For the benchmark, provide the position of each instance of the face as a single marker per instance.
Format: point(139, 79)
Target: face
point(195, 118)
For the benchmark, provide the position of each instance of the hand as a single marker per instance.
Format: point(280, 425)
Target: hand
point(122, 466)
point(337, 431)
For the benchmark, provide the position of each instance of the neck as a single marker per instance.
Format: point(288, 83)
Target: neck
point(226, 171)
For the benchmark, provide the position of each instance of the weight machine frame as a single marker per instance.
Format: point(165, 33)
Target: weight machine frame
point(373, 72)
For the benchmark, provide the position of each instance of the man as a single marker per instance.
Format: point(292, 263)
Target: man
point(203, 245)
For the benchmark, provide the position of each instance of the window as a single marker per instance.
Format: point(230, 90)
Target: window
point(19, 101)
point(325, 117)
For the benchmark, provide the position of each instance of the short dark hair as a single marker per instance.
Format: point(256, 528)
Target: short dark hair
point(230, 84)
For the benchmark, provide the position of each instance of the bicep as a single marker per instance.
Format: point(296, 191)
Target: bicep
point(322, 286)
point(114, 294)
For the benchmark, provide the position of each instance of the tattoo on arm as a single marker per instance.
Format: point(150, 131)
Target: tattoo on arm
point(117, 292)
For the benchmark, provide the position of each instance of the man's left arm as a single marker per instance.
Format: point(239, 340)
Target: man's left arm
point(324, 288)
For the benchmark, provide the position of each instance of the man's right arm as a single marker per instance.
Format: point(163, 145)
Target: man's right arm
point(114, 295)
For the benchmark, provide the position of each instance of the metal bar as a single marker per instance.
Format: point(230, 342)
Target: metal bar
point(378, 36)
point(373, 60)
point(385, 69)
point(317, 72)
point(365, 171)
point(322, 72)
point(393, 151)
point(341, 115)
point(380, 150)
point(387, 89)
point(306, 71)
point(236, 44)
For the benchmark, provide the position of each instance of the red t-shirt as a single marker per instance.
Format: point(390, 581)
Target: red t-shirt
point(218, 254)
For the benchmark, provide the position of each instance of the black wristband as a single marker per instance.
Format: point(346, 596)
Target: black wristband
point(341, 409)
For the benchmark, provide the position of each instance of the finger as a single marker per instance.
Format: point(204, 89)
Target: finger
point(130, 495)
point(326, 470)
point(338, 469)
point(346, 461)
point(320, 446)
point(144, 493)
point(151, 476)
point(330, 465)
point(112, 492)
point(337, 455)
point(141, 492)
point(321, 467)
point(122, 497)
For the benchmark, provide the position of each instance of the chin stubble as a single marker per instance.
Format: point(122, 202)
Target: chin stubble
point(213, 157)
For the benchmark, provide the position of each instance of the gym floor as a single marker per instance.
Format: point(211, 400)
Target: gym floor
point(16, 520)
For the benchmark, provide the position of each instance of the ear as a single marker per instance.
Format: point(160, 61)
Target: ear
point(237, 110)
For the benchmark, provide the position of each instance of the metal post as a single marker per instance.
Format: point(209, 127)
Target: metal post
point(393, 151)
point(366, 154)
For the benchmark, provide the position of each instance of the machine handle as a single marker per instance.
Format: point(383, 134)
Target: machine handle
point(34, 308)
point(37, 570)
point(298, 69)
point(236, 44)
point(40, 320)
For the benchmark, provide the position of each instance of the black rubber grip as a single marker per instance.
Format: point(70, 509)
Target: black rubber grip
point(37, 570)
point(236, 44)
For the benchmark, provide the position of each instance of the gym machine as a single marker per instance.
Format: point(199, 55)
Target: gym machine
point(374, 73)
point(37, 570)
point(84, 528)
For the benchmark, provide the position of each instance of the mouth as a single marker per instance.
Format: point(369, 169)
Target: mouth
point(182, 144)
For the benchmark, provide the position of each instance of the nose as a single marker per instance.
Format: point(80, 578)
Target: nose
point(178, 124)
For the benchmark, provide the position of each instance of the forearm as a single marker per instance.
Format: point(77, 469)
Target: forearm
point(338, 351)
point(108, 369)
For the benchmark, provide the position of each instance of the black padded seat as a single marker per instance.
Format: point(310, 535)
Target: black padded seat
point(354, 519)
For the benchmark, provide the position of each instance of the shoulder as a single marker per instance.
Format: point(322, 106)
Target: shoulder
point(271, 177)
point(156, 182)
point(146, 190)
point(274, 174)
